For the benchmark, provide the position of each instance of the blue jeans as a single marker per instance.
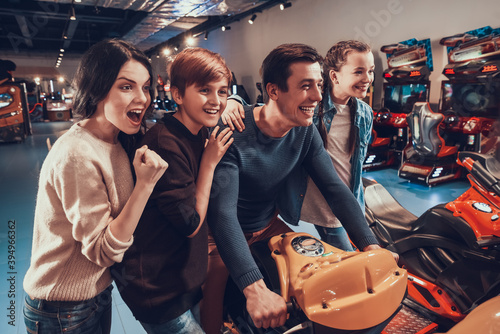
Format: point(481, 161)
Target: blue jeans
point(186, 323)
point(335, 236)
point(91, 316)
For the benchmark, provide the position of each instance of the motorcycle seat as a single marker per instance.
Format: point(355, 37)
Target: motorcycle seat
point(493, 166)
point(388, 212)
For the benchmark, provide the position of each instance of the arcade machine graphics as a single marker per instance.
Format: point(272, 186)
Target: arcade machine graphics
point(409, 65)
point(15, 122)
point(469, 105)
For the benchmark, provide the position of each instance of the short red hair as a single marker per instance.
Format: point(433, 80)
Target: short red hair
point(197, 66)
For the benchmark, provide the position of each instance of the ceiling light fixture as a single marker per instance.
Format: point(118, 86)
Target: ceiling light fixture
point(206, 35)
point(224, 28)
point(252, 19)
point(72, 14)
point(190, 41)
point(285, 5)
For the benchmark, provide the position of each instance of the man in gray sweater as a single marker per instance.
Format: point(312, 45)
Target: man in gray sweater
point(259, 170)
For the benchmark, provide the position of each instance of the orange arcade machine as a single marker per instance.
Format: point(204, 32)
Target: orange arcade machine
point(15, 123)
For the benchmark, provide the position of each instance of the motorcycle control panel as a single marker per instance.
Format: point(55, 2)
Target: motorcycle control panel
point(308, 246)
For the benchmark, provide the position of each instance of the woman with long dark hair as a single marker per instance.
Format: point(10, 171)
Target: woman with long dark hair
point(87, 205)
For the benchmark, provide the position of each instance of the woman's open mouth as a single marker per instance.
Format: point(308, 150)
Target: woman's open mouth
point(135, 115)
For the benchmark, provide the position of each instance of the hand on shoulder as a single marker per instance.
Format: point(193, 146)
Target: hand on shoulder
point(233, 115)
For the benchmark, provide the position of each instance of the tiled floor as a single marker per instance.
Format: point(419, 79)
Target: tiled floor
point(19, 168)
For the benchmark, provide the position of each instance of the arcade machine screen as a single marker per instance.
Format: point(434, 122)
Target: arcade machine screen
point(400, 98)
point(479, 104)
point(468, 99)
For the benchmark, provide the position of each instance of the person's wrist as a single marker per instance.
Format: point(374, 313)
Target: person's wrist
point(371, 247)
point(254, 288)
point(207, 162)
point(145, 186)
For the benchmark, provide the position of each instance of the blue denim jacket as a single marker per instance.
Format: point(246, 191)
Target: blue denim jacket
point(292, 195)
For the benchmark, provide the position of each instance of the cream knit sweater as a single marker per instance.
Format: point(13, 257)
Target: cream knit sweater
point(84, 183)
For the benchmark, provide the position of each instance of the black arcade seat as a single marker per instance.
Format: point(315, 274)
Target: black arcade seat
point(424, 127)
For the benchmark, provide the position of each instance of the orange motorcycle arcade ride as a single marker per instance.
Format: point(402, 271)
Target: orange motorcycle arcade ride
point(452, 251)
point(327, 290)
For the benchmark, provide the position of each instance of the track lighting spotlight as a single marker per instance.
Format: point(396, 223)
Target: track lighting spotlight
point(72, 15)
point(285, 5)
point(206, 35)
point(224, 28)
point(190, 41)
point(252, 19)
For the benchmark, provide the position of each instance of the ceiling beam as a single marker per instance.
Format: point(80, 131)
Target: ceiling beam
point(212, 23)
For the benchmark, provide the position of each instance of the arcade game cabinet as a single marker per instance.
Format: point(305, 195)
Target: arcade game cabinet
point(407, 82)
point(14, 115)
point(469, 111)
point(163, 103)
point(58, 107)
point(470, 100)
point(239, 89)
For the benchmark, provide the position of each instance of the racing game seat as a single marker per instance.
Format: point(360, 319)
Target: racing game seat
point(424, 127)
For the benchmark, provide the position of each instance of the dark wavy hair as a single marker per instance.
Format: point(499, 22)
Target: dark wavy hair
point(276, 66)
point(97, 73)
point(335, 58)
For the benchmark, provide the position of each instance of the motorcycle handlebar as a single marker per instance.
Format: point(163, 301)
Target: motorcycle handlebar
point(483, 176)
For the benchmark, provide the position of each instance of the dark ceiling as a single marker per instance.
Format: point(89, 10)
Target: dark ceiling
point(44, 26)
